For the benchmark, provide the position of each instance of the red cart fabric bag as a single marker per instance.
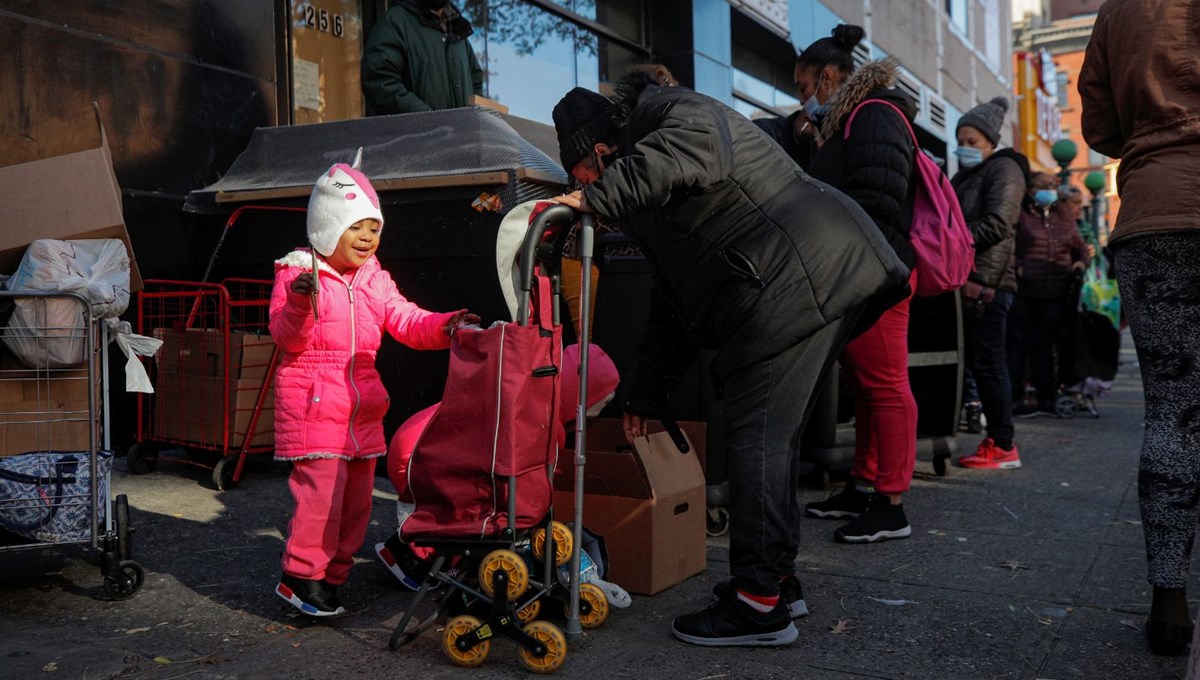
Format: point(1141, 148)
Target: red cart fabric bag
point(498, 418)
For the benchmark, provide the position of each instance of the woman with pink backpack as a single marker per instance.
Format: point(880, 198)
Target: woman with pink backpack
point(872, 161)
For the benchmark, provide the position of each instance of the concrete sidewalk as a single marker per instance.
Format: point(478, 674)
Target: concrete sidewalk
point(1032, 573)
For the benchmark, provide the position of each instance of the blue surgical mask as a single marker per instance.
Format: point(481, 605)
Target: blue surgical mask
point(969, 156)
point(1045, 198)
point(813, 108)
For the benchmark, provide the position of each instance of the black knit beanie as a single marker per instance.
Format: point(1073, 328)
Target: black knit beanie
point(582, 119)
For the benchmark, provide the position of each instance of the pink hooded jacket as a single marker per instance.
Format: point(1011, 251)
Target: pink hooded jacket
point(329, 400)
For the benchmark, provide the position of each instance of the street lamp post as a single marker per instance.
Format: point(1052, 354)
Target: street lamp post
point(1095, 182)
point(1064, 151)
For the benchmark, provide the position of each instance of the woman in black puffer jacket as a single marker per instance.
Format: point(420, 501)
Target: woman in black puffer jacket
point(868, 152)
point(753, 259)
point(990, 187)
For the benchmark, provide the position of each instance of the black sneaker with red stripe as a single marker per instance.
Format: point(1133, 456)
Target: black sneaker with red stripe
point(730, 622)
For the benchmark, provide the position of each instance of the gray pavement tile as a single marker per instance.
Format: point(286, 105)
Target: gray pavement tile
point(1096, 644)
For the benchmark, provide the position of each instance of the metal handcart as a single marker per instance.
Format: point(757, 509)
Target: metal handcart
point(55, 457)
point(213, 375)
point(506, 596)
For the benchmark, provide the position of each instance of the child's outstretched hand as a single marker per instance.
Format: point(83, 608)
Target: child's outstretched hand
point(303, 285)
point(461, 318)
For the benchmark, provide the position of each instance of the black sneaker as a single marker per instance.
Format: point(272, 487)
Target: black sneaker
point(307, 595)
point(848, 503)
point(882, 522)
point(729, 622)
point(973, 415)
point(399, 559)
point(331, 596)
point(791, 595)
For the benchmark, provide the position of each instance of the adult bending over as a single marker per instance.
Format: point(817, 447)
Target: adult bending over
point(752, 259)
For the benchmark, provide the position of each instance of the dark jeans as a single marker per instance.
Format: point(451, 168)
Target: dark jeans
point(986, 355)
point(1034, 325)
point(764, 410)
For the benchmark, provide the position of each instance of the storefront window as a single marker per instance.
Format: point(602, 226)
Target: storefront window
point(532, 57)
point(762, 70)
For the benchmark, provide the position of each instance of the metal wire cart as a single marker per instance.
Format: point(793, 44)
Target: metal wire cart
point(55, 458)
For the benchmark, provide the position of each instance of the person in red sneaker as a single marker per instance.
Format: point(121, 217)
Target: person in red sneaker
point(989, 456)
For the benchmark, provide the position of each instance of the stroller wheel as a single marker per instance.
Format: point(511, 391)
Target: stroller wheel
point(1066, 406)
point(563, 543)
point(457, 635)
point(597, 606)
point(530, 611)
point(552, 639)
point(514, 567)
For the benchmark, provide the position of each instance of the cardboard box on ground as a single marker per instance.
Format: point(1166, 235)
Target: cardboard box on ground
point(190, 385)
point(647, 503)
point(69, 196)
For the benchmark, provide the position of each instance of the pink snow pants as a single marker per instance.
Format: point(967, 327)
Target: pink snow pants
point(333, 507)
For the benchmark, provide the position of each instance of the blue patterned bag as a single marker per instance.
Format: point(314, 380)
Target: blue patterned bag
point(47, 497)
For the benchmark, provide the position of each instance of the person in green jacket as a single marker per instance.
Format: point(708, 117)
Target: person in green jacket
point(418, 58)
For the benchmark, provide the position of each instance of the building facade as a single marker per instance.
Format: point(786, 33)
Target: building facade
point(1064, 42)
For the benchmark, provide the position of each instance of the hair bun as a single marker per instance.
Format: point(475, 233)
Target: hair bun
point(848, 36)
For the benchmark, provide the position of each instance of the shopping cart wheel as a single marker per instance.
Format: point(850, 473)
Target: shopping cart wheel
point(126, 582)
point(597, 606)
point(939, 465)
point(223, 473)
point(530, 611)
point(551, 638)
point(514, 567)
point(563, 542)
point(455, 638)
point(141, 458)
point(121, 520)
point(716, 521)
point(1066, 406)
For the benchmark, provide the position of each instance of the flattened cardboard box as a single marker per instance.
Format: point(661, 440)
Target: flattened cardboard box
point(647, 503)
point(72, 196)
point(201, 352)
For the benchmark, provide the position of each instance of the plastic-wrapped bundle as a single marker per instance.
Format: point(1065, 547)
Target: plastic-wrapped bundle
point(50, 333)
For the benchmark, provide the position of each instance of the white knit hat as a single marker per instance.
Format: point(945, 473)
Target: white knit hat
point(340, 197)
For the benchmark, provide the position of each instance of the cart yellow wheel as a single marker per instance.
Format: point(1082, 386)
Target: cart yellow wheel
point(563, 542)
point(456, 628)
point(513, 566)
point(530, 611)
point(556, 647)
point(591, 593)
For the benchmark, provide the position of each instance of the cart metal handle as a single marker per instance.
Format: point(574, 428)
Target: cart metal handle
point(555, 214)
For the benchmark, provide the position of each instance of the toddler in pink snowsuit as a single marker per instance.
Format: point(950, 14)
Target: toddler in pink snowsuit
point(329, 400)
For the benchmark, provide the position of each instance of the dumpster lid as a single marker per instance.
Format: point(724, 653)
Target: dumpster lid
point(457, 147)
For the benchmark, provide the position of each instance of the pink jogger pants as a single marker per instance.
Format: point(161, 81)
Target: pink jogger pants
point(333, 506)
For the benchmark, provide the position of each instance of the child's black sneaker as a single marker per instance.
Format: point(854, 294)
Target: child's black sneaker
point(307, 595)
point(848, 503)
point(399, 559)
point(791, 595)
point(881, 522)
point(331, 596)
point(729, 622)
